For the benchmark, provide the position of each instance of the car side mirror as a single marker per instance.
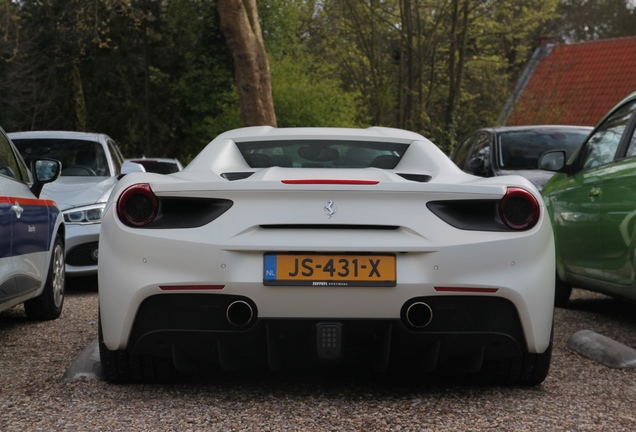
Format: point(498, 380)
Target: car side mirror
point(553, 160)
point(44, 171)
point(477, 166)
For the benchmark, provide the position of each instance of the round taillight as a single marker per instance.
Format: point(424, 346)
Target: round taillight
point(519, 209)
point(138, 205)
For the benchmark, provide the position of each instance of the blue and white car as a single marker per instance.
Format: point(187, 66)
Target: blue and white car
point(31, 236)
point(91, 165)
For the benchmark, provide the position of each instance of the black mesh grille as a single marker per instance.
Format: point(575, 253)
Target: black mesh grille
point(81, 255)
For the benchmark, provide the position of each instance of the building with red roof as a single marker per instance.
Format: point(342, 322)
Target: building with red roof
point(573, 84)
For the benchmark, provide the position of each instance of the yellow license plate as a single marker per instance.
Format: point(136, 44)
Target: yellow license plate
point(329, 269)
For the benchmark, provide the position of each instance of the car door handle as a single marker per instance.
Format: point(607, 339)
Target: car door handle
point(594, 192)
point(17, 210)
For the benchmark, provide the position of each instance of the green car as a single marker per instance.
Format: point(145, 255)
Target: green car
point(591, 202)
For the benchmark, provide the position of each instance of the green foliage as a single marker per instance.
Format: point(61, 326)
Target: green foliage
point(581, 20)
point(439, 67)
point(307, 90)
point(306, 93)
point(154, 75)
point(158, 77)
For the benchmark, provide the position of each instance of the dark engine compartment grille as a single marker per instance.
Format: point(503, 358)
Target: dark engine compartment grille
point(194, 331)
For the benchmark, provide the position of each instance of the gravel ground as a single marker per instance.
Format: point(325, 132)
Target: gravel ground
point(579, 394)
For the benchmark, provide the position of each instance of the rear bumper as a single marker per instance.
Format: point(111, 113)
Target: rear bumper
point(214, 260)
point(196, 330)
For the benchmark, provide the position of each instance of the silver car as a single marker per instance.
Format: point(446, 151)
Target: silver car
point(91, 165)
point(506, 150)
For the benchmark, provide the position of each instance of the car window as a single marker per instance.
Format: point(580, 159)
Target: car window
point(463, 150)
point(156, 166)
point(78, 157)
point(631, 150)
point(602, 145)
point(118, 159)
point(631, 147)
point(10, 165)
point(521, 149)
point(322, 154)
point(479, 160)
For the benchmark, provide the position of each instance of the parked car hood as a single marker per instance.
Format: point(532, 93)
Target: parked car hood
point(536, 176)
point(70, 192)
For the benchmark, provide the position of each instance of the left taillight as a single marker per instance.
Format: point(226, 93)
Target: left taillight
point(138, 206)
point(519, 209)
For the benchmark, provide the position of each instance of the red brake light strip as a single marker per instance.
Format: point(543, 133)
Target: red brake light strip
point(469, 290)
point(192, 287)
point(332, 181)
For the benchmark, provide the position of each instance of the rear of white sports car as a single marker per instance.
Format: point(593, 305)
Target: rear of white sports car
point(280, 247)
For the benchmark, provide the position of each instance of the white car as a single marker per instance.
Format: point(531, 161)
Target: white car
point(325, 246)
point(156, 165)
point(91, 165)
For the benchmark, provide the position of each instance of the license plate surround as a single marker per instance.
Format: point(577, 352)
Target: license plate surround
point(347, 269)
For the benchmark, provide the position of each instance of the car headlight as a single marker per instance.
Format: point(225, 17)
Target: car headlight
point(84, 215)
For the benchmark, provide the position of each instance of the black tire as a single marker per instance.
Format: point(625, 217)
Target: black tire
point(123, 367)
point(48, 305)
point(562, 292)
point(526, 370)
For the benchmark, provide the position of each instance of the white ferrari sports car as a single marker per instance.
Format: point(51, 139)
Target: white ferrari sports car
point(327, 247)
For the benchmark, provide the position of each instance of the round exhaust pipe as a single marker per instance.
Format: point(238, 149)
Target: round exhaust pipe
point(419, 315)
point(239, 313)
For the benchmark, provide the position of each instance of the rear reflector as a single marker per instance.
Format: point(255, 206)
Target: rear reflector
point(192, 287)
point(332, 181)
point(467, 290)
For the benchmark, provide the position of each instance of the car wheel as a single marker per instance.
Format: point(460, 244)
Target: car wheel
point(526, 370)
point(122, 367)
point(48, 305)
point(562, 292)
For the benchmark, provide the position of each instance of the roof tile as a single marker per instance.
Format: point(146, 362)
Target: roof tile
point(578, 83)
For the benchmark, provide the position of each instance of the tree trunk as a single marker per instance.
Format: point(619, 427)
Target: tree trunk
point(79, 103)
point(239, 23)
point(457, 57)
point(144, 37)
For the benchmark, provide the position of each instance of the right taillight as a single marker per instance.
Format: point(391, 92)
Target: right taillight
point(519, 209)
point(138, 206)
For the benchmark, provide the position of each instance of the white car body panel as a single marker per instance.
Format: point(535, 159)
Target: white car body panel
point(69, 191)
point(430, 253)
point(143, 163)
